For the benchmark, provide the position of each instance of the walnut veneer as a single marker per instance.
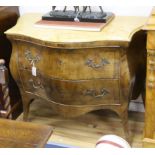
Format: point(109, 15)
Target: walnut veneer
point(77, 71)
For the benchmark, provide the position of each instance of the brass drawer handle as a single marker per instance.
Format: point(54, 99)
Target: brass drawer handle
point(93, 93)
point(91, 64)
point(36, 84)
point(32, 59)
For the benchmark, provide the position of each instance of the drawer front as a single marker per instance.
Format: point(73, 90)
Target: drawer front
point(68, 64)
point(82, 92)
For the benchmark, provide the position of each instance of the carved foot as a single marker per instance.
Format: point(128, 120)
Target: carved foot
point(27, 99)
point(124, 119)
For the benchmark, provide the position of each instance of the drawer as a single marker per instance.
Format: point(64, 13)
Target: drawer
point(81, 92)
point(69, 64)
point(30, 83)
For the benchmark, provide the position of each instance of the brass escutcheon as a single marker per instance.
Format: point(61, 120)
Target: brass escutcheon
point(31, 58)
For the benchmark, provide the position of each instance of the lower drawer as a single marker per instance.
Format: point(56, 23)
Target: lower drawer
point(82, 92)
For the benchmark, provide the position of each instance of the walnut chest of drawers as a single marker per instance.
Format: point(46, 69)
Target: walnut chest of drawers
point(76, 71)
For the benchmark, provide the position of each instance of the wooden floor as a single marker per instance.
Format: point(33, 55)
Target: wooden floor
point(84, 131)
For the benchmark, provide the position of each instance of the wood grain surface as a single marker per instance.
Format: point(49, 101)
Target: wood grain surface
point(15, 134)
point(118, 32)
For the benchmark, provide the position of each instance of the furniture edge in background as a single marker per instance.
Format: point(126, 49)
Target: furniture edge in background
point(149, 127)
point(16, 134)
point(8, 18)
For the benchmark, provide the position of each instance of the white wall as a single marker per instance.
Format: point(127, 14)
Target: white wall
point(117, 10)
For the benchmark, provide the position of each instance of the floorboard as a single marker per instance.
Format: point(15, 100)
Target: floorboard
point(85, 130)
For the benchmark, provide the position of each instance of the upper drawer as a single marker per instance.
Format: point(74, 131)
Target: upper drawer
point(70, 64)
